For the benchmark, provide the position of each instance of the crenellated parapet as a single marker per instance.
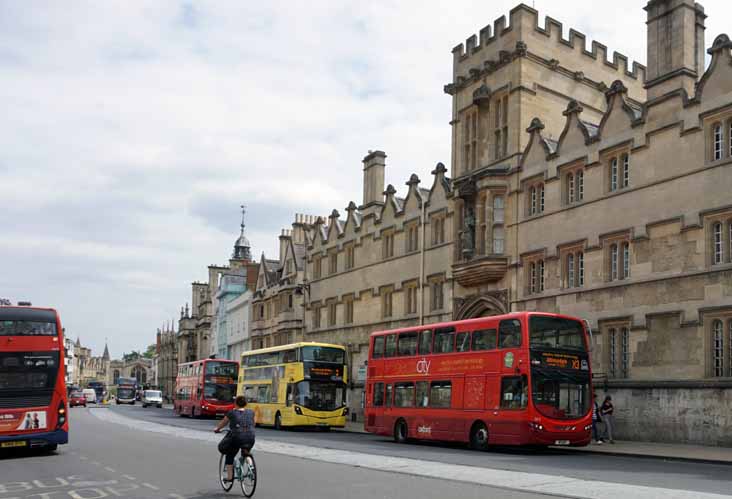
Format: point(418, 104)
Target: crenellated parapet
point(500, 44)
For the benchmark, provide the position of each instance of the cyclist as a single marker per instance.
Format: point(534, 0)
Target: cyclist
point(241, 423)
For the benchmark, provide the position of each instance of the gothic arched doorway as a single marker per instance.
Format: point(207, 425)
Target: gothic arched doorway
point(481, 306)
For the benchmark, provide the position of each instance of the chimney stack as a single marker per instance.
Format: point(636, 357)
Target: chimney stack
point(374, 165)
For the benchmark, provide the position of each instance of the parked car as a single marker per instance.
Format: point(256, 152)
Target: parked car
point(152, 397)
point(90, 395)
point(77, 398)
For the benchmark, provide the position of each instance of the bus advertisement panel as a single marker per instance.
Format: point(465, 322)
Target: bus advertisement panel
point(302, 384)
point(126, 390)
point(517, 379)
point(205, 387)
point(33, 398)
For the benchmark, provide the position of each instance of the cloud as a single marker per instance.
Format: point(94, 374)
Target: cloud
point(133, 131)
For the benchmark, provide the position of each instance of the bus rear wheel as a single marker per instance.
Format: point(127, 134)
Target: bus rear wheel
point(400, 431)
point(479, 436)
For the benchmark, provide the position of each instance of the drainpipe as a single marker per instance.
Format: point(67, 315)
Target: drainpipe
point(421, 268)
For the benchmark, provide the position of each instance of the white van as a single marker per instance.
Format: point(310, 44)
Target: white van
point(90, 395)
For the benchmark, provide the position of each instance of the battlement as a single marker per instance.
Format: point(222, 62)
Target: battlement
point(524, 28)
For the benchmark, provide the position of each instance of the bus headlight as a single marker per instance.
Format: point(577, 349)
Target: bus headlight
point(298, 411)
point(345, 411)
point(536, 426)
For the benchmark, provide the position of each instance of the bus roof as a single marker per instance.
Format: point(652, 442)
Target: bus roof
point(479, 320)
point(207, 360)
point(291, 346)
point(10, 313)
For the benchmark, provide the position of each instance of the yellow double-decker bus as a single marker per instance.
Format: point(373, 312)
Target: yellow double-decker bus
point(302, 384)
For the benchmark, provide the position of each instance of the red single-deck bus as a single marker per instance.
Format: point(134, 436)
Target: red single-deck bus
point(516, 379)
point(206, 387)
point(32, 386)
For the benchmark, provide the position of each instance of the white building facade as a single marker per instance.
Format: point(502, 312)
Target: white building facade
point(238, 312)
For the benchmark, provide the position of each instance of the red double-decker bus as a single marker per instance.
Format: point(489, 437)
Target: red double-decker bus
point(205, 387)
point(32, 386)
point(516, 379)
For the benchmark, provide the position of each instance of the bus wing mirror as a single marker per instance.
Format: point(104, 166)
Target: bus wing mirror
point(589, 332)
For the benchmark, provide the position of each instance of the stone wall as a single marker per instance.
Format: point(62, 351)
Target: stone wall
point(692, 413)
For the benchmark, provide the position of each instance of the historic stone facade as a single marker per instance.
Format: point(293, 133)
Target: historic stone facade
point(86, 367)
point(279, 296)
point(591, 187)
point(385, 265)
point(167, 362)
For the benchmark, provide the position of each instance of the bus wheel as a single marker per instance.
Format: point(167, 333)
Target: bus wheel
point(479, 436)
point(50, 448)
point(400, 431)
point(278, 422)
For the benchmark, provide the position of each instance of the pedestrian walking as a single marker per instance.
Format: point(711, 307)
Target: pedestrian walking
point(596, 420)
point(606, 413)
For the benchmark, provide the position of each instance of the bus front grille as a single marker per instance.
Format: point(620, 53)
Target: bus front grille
point(36, 399)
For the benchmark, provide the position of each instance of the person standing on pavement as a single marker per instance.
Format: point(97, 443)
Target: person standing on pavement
point(606, 413)
point(596, 420)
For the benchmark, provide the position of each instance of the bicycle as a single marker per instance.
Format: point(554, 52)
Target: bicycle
point(245, 470)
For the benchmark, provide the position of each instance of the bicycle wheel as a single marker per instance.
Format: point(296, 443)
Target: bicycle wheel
point(222, 474)
point(249, 479)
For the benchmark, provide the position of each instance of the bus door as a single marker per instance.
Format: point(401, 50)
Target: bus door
point(510, 424)
point(388, 418)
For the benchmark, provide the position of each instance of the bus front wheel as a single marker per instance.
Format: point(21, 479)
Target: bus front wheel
point(479, 436)
point(400, 431)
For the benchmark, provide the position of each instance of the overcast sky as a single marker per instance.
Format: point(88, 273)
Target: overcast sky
point(132, 131)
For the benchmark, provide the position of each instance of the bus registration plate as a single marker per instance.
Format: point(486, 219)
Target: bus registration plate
point(19, 443)
point(561, 442)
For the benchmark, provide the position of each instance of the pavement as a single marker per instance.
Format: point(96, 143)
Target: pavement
point(656, 450)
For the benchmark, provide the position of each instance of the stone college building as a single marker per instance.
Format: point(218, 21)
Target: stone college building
point(580, 183)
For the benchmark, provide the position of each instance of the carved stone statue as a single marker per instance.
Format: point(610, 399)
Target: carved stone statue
point(468, 233)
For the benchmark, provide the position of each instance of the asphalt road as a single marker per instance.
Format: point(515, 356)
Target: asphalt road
point(104, 459)
point(643, 472)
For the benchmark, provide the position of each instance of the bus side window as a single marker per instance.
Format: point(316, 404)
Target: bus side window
point(423, 391)
point(378, 394)
point(407, 343)
point(462, 342)
point(440, 394)
point(390, 345)
point(444, 340)
point(425, 342)
point(484, 339)
point(388, 395)
point(378, 347)
point(404, 394)
point(509, 334)
point(514, 392)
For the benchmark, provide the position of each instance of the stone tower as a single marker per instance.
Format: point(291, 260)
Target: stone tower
point(675, 46)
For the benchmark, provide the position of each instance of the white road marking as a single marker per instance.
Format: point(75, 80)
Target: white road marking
point(95, 463)
point(112, 470)
point(153, 487)
point(516, 480)
point(128, 477)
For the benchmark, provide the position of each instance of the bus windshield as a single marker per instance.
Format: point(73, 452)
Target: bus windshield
point(323, 354)
point(555, 333)
point(320, 395)
point(220, 381)
point(126, 393)
point(559, 394)
point(28, 370)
